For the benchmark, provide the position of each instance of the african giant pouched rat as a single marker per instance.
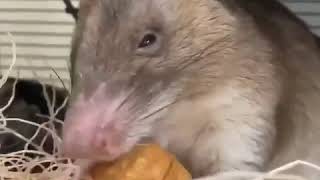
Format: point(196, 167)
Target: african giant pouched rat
point(224, 84)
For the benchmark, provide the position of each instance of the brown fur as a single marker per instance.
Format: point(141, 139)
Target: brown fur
point(243, 77)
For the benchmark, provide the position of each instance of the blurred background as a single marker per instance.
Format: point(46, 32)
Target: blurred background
point(42, 31)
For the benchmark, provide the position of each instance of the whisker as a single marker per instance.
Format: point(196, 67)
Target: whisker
point(197, 57)
point(61, 81)
point(125, 100)
point(198, 135)
point(134, 118)
point(137, 124)
point(174, 33)
point(138, 134)
point(140, 70)
point(158, 110)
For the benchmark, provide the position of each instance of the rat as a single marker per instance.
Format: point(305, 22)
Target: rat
point(29, 104)
point(225, 85)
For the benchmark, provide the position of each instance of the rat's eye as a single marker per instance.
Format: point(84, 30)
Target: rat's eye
point(150, 44)
point(148, 40)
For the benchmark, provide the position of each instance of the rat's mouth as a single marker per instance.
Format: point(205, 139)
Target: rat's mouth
point(99, 144)
point(101, 157)
point(94, 153)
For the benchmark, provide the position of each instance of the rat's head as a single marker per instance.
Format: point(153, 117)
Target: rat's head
point(130, 60)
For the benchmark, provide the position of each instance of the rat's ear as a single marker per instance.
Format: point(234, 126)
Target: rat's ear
point(70, 9)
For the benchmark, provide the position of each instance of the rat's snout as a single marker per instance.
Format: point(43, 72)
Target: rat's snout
point(95, 128)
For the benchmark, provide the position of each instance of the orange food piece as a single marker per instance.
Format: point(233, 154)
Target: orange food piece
point(148, 162)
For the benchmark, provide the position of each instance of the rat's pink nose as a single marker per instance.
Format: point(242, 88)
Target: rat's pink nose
point(92, 143)
point(92, 132)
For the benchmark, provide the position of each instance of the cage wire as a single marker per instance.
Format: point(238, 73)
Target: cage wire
point(53, 166)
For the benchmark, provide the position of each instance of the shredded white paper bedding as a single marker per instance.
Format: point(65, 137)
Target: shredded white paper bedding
point(17, 166)
point(63, 169)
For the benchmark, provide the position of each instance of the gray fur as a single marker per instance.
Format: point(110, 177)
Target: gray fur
point(233, 72)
